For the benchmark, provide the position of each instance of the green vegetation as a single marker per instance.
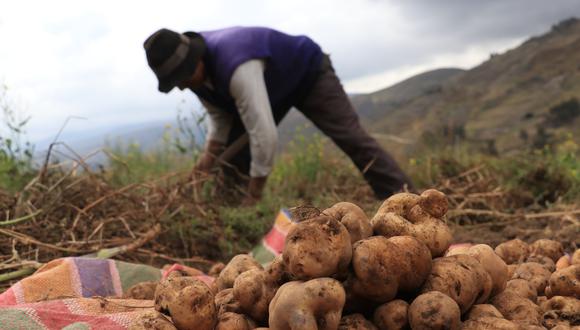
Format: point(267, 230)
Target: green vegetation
point(15, 151)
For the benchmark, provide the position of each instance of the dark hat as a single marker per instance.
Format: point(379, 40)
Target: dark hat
point(172, 56)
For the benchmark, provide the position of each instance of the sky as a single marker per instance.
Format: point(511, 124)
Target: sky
point(85, 59)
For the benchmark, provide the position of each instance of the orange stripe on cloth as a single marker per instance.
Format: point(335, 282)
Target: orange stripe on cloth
point(51, 281)
point(283, 222)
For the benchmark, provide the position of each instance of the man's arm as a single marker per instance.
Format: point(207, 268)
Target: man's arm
point(248, 88)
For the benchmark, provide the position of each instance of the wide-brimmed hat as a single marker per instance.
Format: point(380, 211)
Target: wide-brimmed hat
point(173, 56)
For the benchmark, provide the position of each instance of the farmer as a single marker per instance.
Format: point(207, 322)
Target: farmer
point(248, 78)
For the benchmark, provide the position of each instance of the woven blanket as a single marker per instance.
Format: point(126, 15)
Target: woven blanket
point(84, 293)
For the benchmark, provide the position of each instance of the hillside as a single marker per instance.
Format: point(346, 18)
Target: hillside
point(374, 106)
point(504, 103)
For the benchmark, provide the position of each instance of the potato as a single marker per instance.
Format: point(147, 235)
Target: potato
point(317, 247)
point(493, 264)
point(400, 203)
point(561, 311)
point(225, 302)
point(542, 260)
point(523, 289)
point(513, 252)
point(405, 215)
point(392, 315)
point(382, 267)
point(563, 262)
point(236, 266)
point(511, 270)
point(535, 273)
point(483, 310)
point(515, 308)
point(254, 290)
point(355, 322)
point(188, 301)
point(490, 323)
point(434, 310)
point(311, 305)
point(234, 321)
point(152, 320)
point(460, 277)
point(142, 290)
point(216, 269)
point(548, 248)
point(575, 258)
point(353, 218)
point(566, 282)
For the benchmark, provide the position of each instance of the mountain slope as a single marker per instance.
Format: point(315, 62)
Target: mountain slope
point(504, 102)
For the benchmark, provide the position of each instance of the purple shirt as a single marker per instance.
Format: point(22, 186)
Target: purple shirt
point(292, 62)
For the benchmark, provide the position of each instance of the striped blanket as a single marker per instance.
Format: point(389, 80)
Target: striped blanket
point(84, 293)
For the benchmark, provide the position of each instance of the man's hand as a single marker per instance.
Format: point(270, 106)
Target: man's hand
point(207, 160)
point(205, 163)
point(255, 189)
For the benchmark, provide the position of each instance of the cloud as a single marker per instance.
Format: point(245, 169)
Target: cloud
point(63, 58)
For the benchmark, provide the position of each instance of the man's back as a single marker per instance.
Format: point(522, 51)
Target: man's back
point(291, 62)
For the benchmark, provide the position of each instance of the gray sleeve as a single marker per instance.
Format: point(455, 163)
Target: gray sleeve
point(248, 88)
point(220, 123)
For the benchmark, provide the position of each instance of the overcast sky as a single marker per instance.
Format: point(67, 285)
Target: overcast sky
point(75, 58)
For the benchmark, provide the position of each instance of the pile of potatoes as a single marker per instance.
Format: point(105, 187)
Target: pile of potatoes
point(340, 270)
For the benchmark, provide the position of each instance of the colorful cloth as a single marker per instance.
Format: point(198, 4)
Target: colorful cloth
point(84, 293)
point(273, 243)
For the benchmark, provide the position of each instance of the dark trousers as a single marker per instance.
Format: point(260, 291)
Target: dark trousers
point(329, 108)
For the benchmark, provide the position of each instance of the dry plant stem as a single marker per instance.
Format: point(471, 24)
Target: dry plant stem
point(23, 264)
point(198, 260)
point(148, 236)
point(29, 240)
point(21, 219)
point(17, 274)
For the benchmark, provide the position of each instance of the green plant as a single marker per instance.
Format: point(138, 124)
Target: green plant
point(15, 151)
point(299, 169)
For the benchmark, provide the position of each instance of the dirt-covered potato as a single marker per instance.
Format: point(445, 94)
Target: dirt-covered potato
point(236, 266)
point(548, 248)
point(513, 252)
point(434, 310)
point(234, 321)
point(483, 310)
point(542, 260)
point(216, 269)
point(188, 301)
point(392, 315)
point(255, 289)
point(561, 311)
point(511, 270)
point(460, 277)
point(575, 260)
point(225, 302)
point(353, 218)
point(566, 282)
point(522, 288)
point(490, 323)
point(421, 217)
point(311, 305)
point(355, 322)
point(143, 291)
point(535, 273)
point(563, 262)
point(317, 247)
point(381, 267)
point(152, 320)
point(515, 308)
point(493, 264)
